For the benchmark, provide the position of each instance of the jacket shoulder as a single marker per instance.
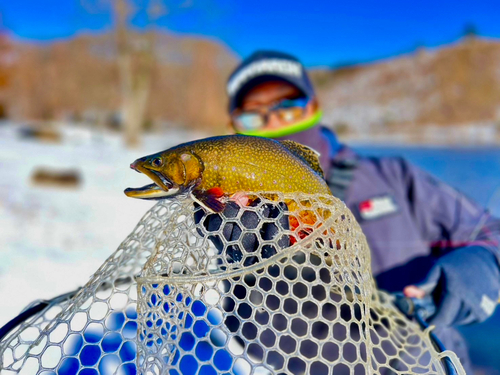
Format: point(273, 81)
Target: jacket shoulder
point(389, 166)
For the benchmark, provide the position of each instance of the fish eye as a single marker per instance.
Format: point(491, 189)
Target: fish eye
point(156, 162)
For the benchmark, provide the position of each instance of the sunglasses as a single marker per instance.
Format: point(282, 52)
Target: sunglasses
point(287, 110)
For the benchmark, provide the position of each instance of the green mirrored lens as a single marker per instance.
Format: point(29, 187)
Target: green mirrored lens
point(249, 121)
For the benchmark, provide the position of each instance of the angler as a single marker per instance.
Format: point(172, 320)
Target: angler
point(425, 237)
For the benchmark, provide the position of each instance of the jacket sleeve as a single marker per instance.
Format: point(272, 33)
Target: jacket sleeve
point(466, 238)
point(446, 218)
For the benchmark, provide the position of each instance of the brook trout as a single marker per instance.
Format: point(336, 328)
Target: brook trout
point(214, 169)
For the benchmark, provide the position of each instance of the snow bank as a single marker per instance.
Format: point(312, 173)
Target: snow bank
point(53, 239)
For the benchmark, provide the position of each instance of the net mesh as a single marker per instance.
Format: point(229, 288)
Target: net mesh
point(281, 286)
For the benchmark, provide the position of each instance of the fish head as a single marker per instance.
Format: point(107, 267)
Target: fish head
point(172, 172)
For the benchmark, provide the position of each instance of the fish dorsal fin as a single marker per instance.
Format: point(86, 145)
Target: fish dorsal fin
point(308, 154)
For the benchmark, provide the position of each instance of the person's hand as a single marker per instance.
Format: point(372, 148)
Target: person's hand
point(413, 291)
point(464, 284)
point(234, 229)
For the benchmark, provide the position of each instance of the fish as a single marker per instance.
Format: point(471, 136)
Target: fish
point(215, 169)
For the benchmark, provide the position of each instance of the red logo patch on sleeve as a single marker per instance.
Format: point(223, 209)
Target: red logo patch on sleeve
point(377, 207)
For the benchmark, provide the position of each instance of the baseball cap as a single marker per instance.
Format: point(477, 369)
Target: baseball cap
point(264, 66)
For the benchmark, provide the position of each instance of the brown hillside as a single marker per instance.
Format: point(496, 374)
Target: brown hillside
point(456, 84)
point(79, 78)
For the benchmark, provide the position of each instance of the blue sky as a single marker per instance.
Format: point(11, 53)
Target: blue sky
point(319, 32)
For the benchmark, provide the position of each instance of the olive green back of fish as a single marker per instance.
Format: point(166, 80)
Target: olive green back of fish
point(244, 163)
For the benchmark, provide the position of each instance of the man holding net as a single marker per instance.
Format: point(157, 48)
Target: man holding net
point(425, 237)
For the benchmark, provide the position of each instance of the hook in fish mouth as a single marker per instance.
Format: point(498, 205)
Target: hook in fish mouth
point(160, 189)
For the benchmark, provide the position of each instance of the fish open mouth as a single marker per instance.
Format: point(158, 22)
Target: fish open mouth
point(160, 179)
point(161, 188)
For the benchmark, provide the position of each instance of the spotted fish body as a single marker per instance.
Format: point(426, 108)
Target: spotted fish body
point(228, 165)
point(246, 163)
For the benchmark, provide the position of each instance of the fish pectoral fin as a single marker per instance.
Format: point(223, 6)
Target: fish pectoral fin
point(209, 199)
point(308, 154)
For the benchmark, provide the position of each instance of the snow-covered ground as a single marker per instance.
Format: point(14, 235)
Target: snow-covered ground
point(53, 239)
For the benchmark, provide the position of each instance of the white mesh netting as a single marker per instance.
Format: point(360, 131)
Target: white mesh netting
point(272, 288)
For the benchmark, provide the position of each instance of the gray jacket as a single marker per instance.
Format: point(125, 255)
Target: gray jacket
point(411, 220)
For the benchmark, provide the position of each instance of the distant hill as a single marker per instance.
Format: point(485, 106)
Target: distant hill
point(78, 78)
point(456, 84)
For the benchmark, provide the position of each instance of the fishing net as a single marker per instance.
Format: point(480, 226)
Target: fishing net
point(280, 286)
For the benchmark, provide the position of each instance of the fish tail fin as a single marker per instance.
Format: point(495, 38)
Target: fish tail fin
point(307, 154)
